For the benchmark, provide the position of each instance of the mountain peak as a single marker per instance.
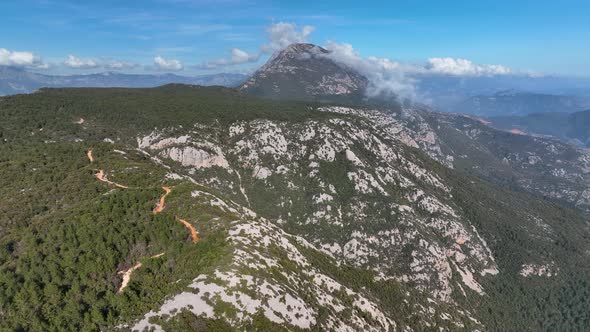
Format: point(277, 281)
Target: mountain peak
point(305, 71)
point(304, 48)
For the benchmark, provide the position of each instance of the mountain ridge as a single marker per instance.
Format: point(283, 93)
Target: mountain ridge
point(291, 199)
point(15, 80)
point(310, 216)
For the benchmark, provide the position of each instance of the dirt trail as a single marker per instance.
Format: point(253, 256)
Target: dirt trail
point(127, 273)
point(159, 208)
point(101, 176)
point(161, 204)
point(127, 276)
point(194, 233)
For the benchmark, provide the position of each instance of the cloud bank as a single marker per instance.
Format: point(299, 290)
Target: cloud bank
point(386, 77)
point(74, 62)
point(463, 67)
point(163, 64)
point(238, 57)
point(119, 65)
point(77, 63)
point(281, 35)
point(20, 59)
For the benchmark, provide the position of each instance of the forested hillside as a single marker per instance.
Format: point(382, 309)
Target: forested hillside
point(275, 216)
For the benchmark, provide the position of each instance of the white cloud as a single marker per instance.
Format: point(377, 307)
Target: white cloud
point(20, 59)
point(119, 65)
point(75, 62)
point(238, 56)
point(283, 34)
point(167, 64)
point(390, 77)
point(463, 67)
point(386, 77)
point(280, 35)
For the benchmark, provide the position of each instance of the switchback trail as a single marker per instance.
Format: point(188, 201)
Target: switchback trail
point(194, 233)
point(159, 208)
point(161, 204)
point(101, 176)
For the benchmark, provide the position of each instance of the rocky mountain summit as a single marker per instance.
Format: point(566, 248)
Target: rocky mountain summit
point(305, 71)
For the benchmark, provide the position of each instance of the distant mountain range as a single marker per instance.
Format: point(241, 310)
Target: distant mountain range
point(305, 71)
point(510, 102)
point(573, 128)
point(16, 80)
point(447, 91)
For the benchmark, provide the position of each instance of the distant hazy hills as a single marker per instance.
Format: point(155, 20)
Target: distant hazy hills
point(307, 72)
point(15, 80)
point(448, 91)
point(519, 103)
point(573, 128)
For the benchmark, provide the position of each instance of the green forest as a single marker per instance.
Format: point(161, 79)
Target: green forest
point(65, 237)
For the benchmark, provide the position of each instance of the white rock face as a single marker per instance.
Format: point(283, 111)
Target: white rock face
point(197, 158)
point(261, 172)
point(385, 183)
point(185, 150)
point(539, 270)
point(251, 293)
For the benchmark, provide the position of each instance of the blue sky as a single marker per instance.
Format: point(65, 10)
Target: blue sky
point(198, 36)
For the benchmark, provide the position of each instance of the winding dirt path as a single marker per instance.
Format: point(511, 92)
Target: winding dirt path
point(127, 276)
point(102, 177)
point(127, 273)
point(159, 208)
point(194, 233)
point(161, 204)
